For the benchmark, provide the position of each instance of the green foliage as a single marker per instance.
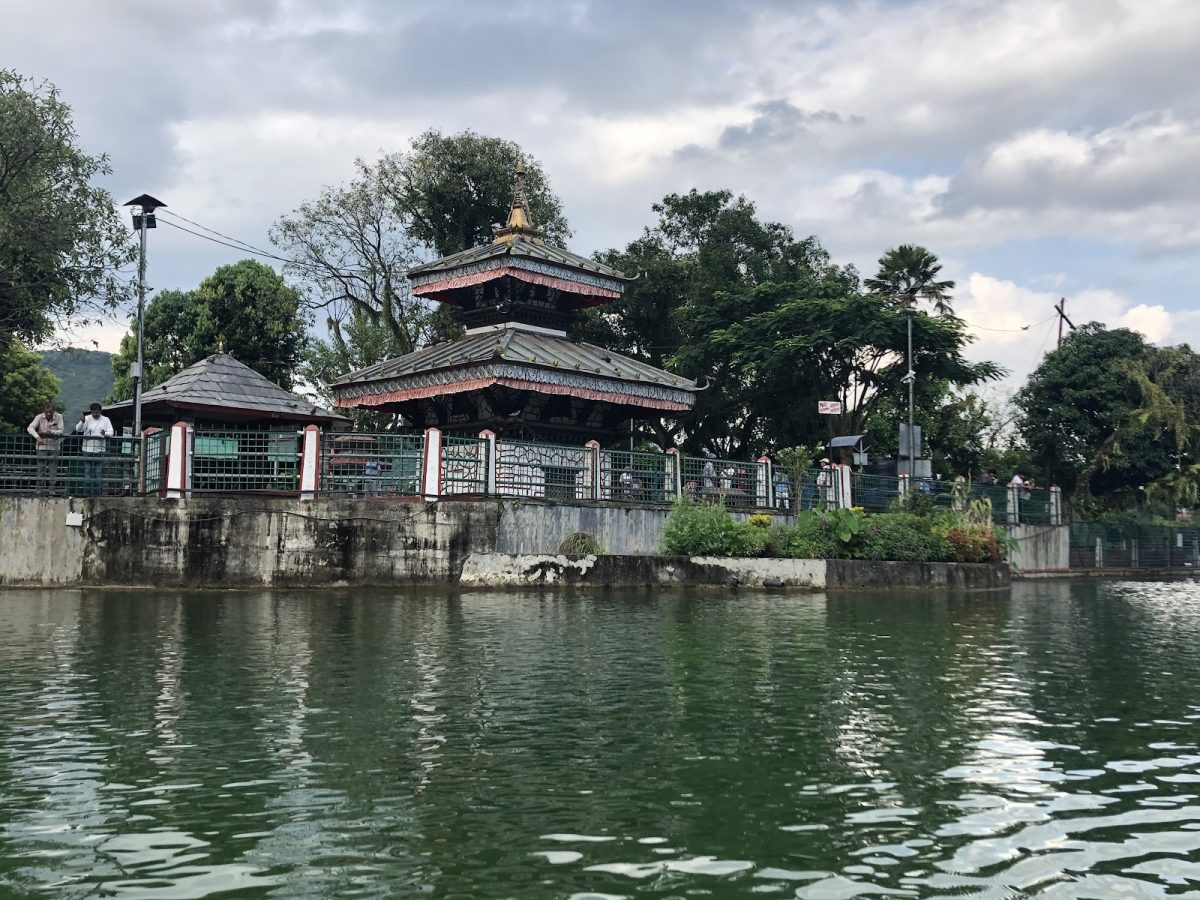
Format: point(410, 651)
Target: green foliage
point(62, 242)
point(25, 386)
point(580, 543)
point(912, 270)
point(902, 536)
point(760, 520)
point(846, 524)
point(699, 528)
point(244, 308)
point(85, 376)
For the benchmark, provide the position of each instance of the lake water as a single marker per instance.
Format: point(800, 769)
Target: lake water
point(1041, 742)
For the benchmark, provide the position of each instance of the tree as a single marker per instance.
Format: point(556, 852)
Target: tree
point(1077, 412)
point(25, 386)
point(62, 244)
point(912, 270)
point(452, 192)
point(245, 308)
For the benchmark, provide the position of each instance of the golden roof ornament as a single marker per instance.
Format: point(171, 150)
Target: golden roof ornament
point(519, 223)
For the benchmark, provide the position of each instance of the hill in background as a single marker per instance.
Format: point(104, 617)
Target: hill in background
point(86, 377)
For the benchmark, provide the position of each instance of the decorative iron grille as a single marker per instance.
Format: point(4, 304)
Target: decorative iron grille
point(636, 477)
point(73, 467)
point(357, 464)
point(464, 465)
point(736, 482)
point(552, 471)
point(158, 445)
point(245, 462)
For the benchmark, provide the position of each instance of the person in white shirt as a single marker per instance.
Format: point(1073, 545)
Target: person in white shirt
point(46, 430)
point(95, 427)
point(1017, 481)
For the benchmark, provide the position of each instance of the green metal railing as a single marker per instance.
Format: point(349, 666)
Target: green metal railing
point(70, 466)
point(158, 445)
point(357, 464)
point(464, 465)
point(737, 483)
point(553, 471)
point(1135, 547)
point(636, 477)
point(235, 462)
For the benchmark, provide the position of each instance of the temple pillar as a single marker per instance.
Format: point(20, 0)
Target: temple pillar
point(489, 465)
point(310, 462)
point(431, 464)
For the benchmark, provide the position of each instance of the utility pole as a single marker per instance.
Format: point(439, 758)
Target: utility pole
point(143, 219)
point(1061, 309)
point(911, 377)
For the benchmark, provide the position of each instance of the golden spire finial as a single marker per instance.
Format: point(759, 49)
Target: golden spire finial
point(519, 221)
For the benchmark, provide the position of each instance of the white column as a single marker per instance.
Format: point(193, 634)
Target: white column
point(179, 462)
point(842, 480)
point(674, 472)
point(431, 464)
point(591, 470)
point(310, 462)
point(489, 465)
point(1014, 506)
point(1056, 517)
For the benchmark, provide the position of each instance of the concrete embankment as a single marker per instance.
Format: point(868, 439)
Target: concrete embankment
point(248, 541)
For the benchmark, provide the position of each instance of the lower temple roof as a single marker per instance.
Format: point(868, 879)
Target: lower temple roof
point(517, 358)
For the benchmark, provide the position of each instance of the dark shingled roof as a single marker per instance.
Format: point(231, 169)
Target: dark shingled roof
point(519, 346)
point(519, 246)
point(221, 382)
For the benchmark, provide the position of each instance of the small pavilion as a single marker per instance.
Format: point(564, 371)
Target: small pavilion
point(516, 372)
point(221, 392)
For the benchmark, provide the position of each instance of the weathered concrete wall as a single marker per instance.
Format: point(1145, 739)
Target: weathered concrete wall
point(1040, 548)
point(240, 541)
point(506, 570)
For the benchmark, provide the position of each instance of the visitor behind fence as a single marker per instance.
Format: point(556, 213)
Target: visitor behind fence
point(46, 429)
point(95, 428)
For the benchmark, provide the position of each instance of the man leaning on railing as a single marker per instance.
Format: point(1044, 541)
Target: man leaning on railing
point(95, 428)
point(46, 429)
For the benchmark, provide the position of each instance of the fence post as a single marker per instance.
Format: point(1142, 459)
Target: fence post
point(1014, 509)
point(179, 463)
point(489, 464)
point(1099, 554)
point(1055, 505)
point(146, 432)
point(591, 470)
point(763, 487)
point(431, 464)
point(675, 477)
point(841, 478)
point(905, 484)
point(1133, 553)
point(310, 462)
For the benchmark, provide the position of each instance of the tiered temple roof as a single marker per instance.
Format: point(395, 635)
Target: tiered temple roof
point(516, 370)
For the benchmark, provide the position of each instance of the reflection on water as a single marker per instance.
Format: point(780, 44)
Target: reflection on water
point(375, 745)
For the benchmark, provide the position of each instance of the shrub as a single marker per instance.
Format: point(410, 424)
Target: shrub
point(975, 543)
point(700, 529)
point(814, 537)
point(761, 520)
point(903, 536)
point(580, 543)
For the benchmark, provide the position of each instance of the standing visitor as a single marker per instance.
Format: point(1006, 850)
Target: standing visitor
point(1017, 480)
point(783, 487)
point(46, 429)
point(95, 428)
point(989, 479)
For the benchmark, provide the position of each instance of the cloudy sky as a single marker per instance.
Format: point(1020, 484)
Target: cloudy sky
point(1042, 148)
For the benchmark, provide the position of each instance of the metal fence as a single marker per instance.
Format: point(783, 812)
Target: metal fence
point(358, 464)
point(464, 465)
point(158, 444)
point(234, 462)
point(1135, 547)
point(736, 482)
point(70, 466)
point(637, 477)
point(525, 469)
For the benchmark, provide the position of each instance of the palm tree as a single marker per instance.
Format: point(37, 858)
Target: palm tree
point(909, 269)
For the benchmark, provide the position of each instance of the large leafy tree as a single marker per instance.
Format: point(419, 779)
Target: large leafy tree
point(912, 271)
point(62, 243)
point(25, 385)
point(245, 308)
point(1078, 411)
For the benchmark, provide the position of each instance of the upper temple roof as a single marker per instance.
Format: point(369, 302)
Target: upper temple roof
point(520, 246)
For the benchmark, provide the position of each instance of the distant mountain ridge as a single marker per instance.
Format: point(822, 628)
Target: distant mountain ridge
point(86, 377)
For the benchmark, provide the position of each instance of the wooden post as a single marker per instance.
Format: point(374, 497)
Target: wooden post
point(431, 464)
point(310, 462)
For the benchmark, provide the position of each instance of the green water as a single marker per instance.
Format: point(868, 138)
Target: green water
point(1042, 742)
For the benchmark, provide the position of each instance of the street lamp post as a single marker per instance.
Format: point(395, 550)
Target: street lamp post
point(911, 378)
point(143, 219)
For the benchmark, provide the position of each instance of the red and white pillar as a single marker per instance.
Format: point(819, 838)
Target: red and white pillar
point(179, 463)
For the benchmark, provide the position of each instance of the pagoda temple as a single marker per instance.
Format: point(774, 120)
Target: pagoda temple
point(516, 372)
